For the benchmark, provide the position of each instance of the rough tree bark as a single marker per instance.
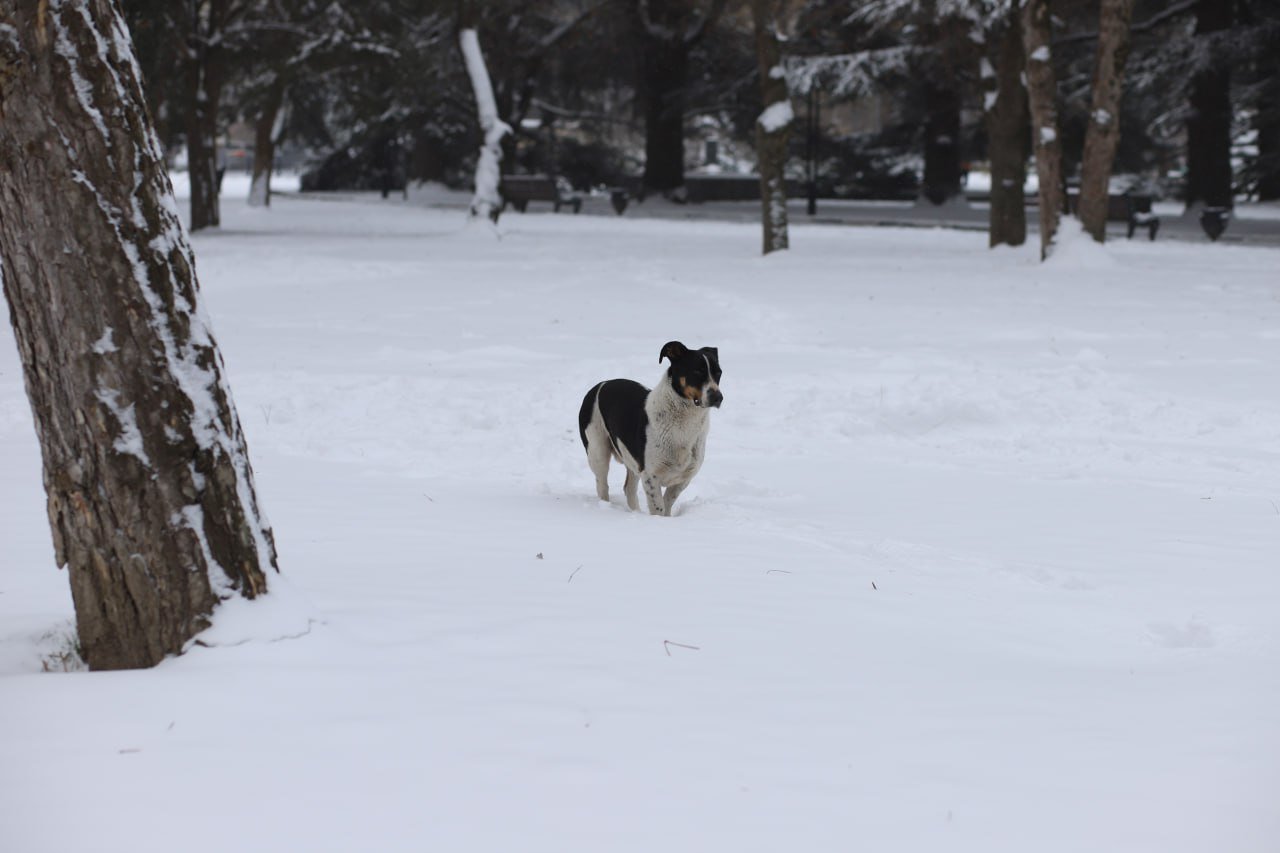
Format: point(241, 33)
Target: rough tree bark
point(773, 128)
point(1103, 133)
point(204, 79)
point(1007, 136)
point(1042, 93)
point(266, 132)
point(150, 492)
point(1209, 123)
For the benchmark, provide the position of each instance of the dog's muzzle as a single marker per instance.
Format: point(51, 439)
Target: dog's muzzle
point(713, 398)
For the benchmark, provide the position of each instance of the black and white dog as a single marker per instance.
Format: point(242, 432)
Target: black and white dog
point(659, 436)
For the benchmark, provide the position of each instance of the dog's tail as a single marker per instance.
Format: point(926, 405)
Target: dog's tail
point(588, 408)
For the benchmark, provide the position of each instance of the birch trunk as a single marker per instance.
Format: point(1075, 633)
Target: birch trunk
point(150, 492)
point(487, 200)
point(773, 128)
point(1103, 133)
point(1007, 135)
point(1042, 93)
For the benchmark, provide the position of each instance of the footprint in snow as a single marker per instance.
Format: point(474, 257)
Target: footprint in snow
point(1192, 635)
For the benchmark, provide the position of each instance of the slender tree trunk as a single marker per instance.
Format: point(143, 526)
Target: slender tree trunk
point(487, 200)
point(150, 492)
point(1042, 93)
point(941, 144)
point(773, 128)
point(1268, 123)
point(266, 131)
point(1103, 133)
point(664, 65)
point(204, 91)
point(1209, 124)
point(1007, 137)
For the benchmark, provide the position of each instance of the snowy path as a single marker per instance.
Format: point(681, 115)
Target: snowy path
point(983, 558)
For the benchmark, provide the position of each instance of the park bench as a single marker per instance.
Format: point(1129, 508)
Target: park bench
point(1132, 208)
point(519, 190)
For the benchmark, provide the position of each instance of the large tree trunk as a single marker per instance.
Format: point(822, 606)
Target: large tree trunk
point(664, 63)
point(266, 131)
point(1103, 133)
point(1209, 124)
point(773, 129)
point(204, 92)
point(150, 493)
point(1042, 93)
point(941, 144)
point(1007, 138)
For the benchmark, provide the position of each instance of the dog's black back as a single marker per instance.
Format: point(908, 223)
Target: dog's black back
point(622, 407)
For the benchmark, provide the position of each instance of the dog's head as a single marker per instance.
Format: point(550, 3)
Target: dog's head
point(694, 373)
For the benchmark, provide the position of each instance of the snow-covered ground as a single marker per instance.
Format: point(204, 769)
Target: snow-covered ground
point(985, 555)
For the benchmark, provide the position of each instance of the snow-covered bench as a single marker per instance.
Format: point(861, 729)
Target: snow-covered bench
point(519, 190)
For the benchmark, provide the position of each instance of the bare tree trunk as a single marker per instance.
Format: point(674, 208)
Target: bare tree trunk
point(773, 128)
point(204, 92)
point(663, 67)
point(150, 492)
point(487, 200)
point(264, 144)
point(1209, 124)
point(1007, 137)
point(941, 181)
point(1042, 93)
point(1268, 125)
point(1103, 133)
point(668, 30)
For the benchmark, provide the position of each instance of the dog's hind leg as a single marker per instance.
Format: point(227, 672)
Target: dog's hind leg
point(630, 488)
point(598, 455)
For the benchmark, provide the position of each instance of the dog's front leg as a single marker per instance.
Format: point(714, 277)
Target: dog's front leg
point(669, 499)
point(653, 493)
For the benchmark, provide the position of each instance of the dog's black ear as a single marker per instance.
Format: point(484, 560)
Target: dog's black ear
point(673, 350)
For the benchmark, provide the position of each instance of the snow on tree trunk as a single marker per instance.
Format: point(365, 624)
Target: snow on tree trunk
point(266, 131)
point(773, 128)
point(1006, 103)
point(150, 493)
point(1103, 133)
point(1209, 175)
point(487, 201)
point(1042, 91)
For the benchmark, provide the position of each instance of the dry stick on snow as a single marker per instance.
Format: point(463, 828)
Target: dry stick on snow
point(667, 644)
point(571, 574)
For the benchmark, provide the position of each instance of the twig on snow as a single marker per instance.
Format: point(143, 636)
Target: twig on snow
point(667, 644)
